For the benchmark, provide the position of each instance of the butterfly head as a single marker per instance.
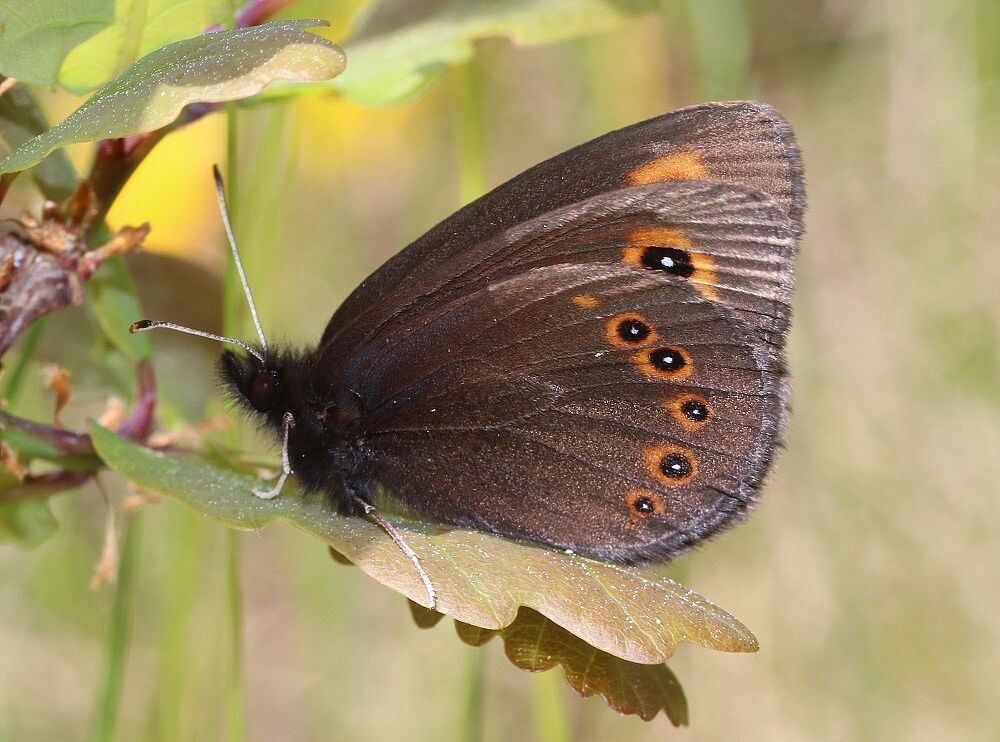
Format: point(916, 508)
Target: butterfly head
point(271, 384)
point(255, 382)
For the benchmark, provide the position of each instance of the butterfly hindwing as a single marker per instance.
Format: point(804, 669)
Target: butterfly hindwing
point(598, 407)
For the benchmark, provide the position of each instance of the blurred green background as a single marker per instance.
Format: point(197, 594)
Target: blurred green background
point(870, 571)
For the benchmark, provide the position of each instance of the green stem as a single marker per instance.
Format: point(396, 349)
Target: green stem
point(472, 717)
point(232, 297)
point(551, 722)
point(234, 705)
point(472, 152)
point(231, 311)
point(472, 183)
point(119, 633)
point(32, 336)
point(185, 533)
point(721, 38)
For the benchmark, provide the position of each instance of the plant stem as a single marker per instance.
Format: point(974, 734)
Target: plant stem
point(185, 534)
point(472, 152)
point(32, 336)
point(472, 718)
point(551, 724)
point(235, 705)
point(233, 297)
point(721, 39)
point(119, 634)
point(472, 183)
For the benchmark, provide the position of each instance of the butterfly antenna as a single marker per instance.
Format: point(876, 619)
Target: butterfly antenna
point(220, 191)
point(372, 513)
point(148, 324)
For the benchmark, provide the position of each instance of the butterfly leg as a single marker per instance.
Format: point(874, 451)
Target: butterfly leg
point(362, 506)
point(286, 467)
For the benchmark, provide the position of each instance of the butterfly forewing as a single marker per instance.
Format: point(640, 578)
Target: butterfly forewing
point(742, 143)
point(732, 246)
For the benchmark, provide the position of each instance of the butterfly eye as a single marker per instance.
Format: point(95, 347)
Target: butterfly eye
point(264, 389)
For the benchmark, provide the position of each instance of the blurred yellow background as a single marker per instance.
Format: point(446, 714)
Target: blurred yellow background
point(868, 573)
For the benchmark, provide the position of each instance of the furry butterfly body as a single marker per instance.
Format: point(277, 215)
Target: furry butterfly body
point(590, 357)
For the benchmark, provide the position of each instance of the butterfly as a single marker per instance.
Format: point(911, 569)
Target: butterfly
point(590, 357)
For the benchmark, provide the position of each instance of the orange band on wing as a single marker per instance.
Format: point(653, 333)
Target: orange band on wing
point(659, 237)
point(674, 166)
point(586, 301)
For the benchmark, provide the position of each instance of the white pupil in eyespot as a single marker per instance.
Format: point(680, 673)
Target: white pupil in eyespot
point(667, 262)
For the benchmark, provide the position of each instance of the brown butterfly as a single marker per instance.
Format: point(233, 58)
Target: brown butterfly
point(589, 357)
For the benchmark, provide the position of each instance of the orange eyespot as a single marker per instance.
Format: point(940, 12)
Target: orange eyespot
point(629, 330)
point(668, 249)
point(586, 301)
point(669, 362)
point(691, 410)
point(643, 504)
point(670, 465)
point(639, 240)
point(674, 166)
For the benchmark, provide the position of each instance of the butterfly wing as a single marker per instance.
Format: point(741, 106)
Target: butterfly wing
point(492, 360)
point(733, 246)
point(600, 408)
point(743, 143)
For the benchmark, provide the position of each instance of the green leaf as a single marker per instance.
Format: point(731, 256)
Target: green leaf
point(36, 35)
point(534, 643)
point(27, 521)
point(632, 613)
point(116, 306)
point(399, 48)
point(20, 120)
point(215, 67)
point(139, 27)
point(24, 521)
